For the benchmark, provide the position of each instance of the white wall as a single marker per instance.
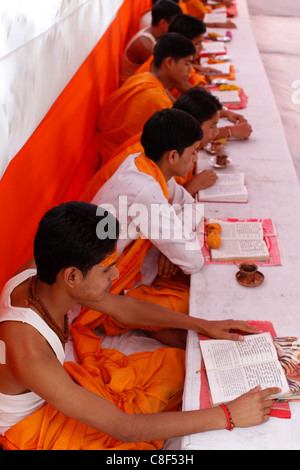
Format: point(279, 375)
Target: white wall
point(42, 45)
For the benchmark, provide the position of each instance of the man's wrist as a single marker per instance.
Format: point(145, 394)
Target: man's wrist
point(229, 131)
point(230, 424)
point(202, 326)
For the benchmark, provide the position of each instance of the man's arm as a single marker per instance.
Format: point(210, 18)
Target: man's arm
point(132, 311)
point(34, 364)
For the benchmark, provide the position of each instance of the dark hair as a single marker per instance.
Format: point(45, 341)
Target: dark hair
point(165, 9)
point(188, 25)
point(169, 129)
point(67, 236)
point(172, 45)
point(198, 102)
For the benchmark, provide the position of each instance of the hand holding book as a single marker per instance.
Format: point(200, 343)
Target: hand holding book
point(234, 368)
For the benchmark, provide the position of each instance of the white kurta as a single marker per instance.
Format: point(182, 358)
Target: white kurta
point(138, 202)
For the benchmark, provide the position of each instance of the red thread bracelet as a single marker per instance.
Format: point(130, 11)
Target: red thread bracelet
point(230, 422)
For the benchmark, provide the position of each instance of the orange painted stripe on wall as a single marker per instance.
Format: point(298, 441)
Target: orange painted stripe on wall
point(60, 157)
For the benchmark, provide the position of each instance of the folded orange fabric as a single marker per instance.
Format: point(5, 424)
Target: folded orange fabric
point(195, 8)
point(148, 382)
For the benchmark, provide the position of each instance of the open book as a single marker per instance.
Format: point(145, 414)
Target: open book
point(221, 69)
point(235, 367)
point(215, 17)
point(229, 187)
point(241, 241)
point(227, 96)
point(212, 47)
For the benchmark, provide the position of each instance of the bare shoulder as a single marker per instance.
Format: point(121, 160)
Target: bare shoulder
point(26, 350)
point(20, 292)
point(140, 50)
point(22, 340)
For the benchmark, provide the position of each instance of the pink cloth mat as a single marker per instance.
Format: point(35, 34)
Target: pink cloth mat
point(243, 98)
point(269, 237)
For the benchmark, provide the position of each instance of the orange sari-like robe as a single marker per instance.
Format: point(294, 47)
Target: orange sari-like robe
point(146, 382)
point(125, 112)
point(194, 8)
point(172, 294)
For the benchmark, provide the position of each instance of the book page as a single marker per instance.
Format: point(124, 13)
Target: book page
point(226, 385)
point(222, 353)
point(235, 367)
point(240, 230)
point(215, 18)
point(222, 191)
point(251, 250)
point(224, 68)
point(228, 96)
point(230, 179)
point(213, 47)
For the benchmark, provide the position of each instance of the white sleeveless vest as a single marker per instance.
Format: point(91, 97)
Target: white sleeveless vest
point(14, 408)
point(128, 68)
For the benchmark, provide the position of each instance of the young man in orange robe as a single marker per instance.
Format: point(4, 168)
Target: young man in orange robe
point(194, 29)
point(198, 102)
point(125, 111)
point(106, 400)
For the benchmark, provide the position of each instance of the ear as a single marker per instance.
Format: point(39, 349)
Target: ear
point(172, 156)
point(164, 25)
point(168, 62)
point(71, 276)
